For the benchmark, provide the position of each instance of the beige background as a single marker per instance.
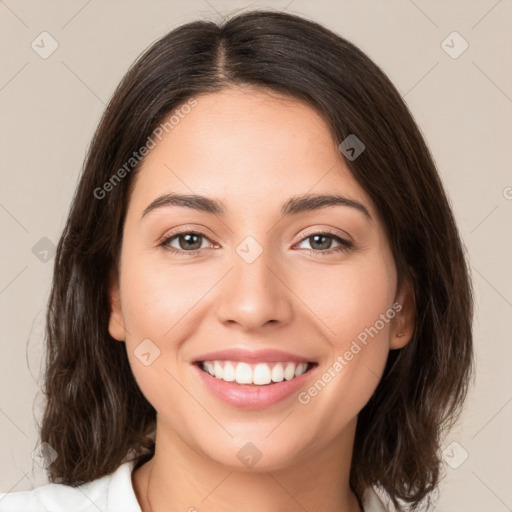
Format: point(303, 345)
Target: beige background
point(463, 105)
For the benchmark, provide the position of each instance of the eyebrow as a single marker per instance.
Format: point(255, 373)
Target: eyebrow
point(293, 206)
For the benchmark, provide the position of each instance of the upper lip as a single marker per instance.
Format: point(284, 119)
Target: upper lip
point(251, 356)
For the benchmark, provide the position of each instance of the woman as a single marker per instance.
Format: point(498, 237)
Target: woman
point(260, 297)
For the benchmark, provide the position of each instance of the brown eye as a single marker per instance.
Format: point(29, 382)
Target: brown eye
point(322, 243)
point(188, 242)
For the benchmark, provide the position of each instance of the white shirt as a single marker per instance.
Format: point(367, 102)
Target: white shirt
point(111, 493)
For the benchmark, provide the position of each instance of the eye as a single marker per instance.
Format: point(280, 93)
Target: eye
point(321, 243)
point(189, 242)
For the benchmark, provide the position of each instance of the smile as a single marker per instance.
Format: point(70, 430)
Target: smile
point(252, 385)
point(258, 374)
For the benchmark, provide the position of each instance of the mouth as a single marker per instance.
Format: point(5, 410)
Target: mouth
point(254, 379)
point(254, 374)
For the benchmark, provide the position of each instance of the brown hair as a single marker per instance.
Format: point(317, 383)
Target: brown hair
point(96, 417)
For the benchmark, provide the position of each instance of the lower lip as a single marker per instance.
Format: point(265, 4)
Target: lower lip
point(246, 396)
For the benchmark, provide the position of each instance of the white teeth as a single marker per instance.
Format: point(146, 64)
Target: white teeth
point(217, 368)
point(278, 373)
point(262, 374)
point(208, 366)
point(243, 373)
point(259, 374)
point(301, 368)
point(289, 371)
point(229, 372)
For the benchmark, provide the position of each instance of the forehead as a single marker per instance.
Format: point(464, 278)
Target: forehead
point(248, 148)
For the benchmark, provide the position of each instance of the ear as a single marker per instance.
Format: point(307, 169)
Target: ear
point(116, 326)
point(403, 323)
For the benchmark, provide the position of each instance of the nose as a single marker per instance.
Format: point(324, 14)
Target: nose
point(254, 295)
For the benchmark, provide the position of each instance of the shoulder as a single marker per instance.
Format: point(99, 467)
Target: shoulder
point(111, 493)
point(375, 501)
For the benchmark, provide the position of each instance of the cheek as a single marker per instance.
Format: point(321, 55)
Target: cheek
point(355, 308)
point(158, 297)
point(156, 300)
point(348, 298)
point(161, 302)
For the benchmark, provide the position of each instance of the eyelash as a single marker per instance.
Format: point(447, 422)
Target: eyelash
point(345, 245)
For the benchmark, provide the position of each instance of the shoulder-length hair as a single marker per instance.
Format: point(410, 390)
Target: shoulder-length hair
point(96, 417)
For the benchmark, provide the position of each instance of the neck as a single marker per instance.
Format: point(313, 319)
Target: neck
point(180, 478)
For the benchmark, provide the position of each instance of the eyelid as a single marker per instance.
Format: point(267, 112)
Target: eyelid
point(309, 231)
point(198, 230)
point(329, 230)
point(346, 242)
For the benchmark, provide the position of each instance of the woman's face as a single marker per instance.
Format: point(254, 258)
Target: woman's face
point(257, 279)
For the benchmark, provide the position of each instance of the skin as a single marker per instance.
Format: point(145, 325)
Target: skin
point(253, 150)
